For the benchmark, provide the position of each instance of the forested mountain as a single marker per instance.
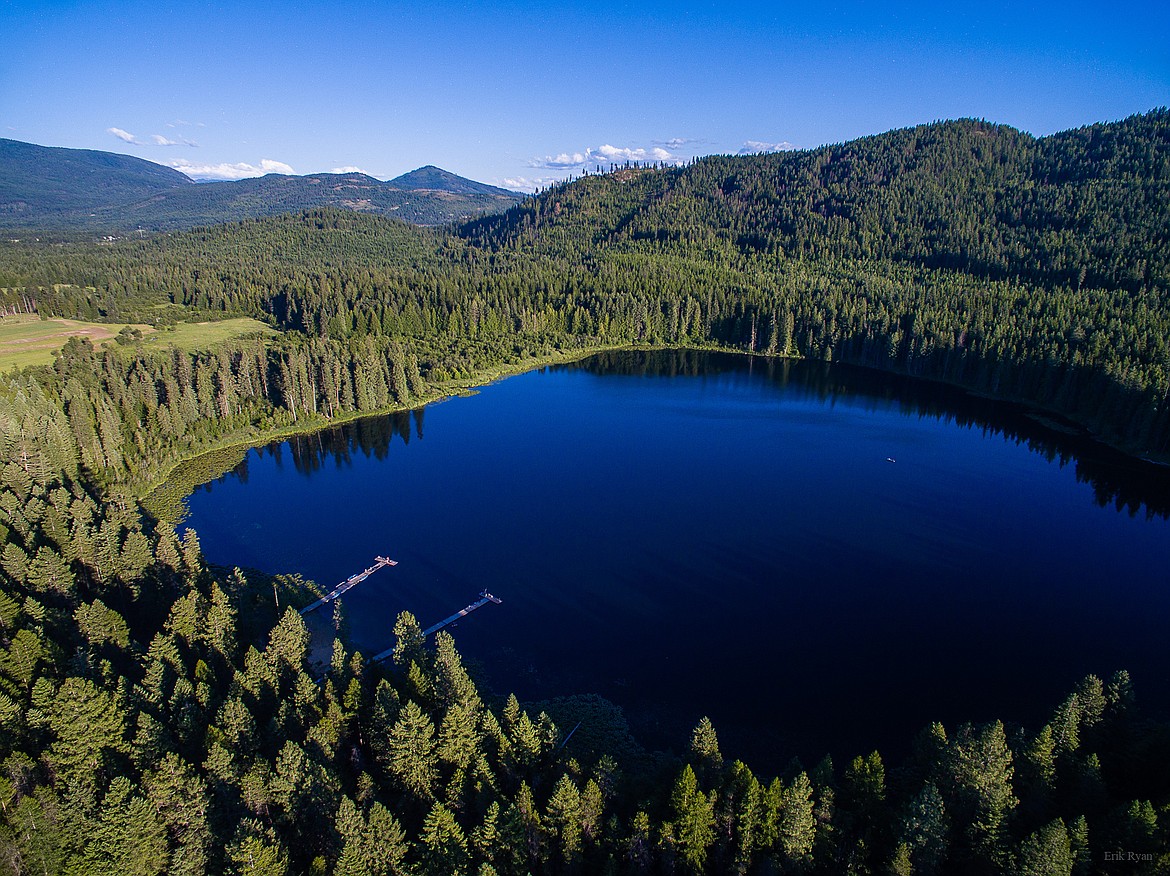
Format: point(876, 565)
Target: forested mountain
point(40, 186)
point(158, 715)
point(43, 188)
point(435, 179)
point(216, 202)
point(1083, 207)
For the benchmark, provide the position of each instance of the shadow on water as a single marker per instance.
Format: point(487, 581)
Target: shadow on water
point(370, 437)
point(1118, 480)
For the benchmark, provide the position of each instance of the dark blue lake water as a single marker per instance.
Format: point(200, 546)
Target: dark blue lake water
point(819, 558)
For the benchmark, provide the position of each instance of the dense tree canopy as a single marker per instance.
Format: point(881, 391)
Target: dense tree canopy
point(159, 715)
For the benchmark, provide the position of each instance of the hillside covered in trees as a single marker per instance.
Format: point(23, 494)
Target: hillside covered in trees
point(159, 716)
point(1031, 269)
point(85, 192)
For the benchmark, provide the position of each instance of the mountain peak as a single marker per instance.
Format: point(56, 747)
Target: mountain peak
point(52, 187)
point(435, 179)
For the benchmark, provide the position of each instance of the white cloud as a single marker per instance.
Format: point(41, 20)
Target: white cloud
point(604, 154)
point(526, 183)
point(124, 136)
point(613, 153)
point(349, 168)
point(153, 140)
point(160, 140)
point(564, 160)
point(226, 170)
point(756, 147)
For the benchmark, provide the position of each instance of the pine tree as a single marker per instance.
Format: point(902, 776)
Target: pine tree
point(864, 786)
point(180, 798)
point(444, 842)
point(740, 810)
point(900, 864)
point(1078, 841)
point(639, 844)
point(127, 836)
point(485, 838)
point(88, 725)
point(796, 830)
point(371, 846)
point(453, 686)
point(220, 632)
point(458, 737)
point(705, 749)
point(524, 744)
point(410, 753)
point(49, 573)
point(408, 641)
point(386, 843)
point(134, 557)
point(522, 831)
point(983, 771)
point(592, 810)
point(692, 827)
point(562, 821)
point(256, 851)
point(288, 643)
point(99, 624)
point(1046, 852)
point(925, 830)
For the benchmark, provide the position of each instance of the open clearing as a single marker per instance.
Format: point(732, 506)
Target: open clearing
point(205, 335)
point(29, 340)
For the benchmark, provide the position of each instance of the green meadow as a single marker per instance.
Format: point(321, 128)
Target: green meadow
point(29, 340)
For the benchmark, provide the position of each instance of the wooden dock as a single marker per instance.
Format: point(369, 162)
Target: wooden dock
point(484, 599)
point(351, 581)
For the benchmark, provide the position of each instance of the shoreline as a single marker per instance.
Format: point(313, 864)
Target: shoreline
point(163, 508)
point(157, 505)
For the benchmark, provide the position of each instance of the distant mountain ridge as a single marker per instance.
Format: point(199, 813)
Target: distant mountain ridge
point(53, 188)
point(431, 178)
point(38, 179)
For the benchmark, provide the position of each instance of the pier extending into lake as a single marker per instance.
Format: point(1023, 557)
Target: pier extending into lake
point(484, 599)
point(351, 581)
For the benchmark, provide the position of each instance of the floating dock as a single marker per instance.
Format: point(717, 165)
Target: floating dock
point(351, 581)
point(484, 599)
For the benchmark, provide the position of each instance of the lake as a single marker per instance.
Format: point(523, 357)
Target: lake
point(820, 558)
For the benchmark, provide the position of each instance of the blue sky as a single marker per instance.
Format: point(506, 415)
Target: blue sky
point(521, 93)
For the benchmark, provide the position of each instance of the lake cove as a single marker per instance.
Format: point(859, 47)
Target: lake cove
point(820, 558)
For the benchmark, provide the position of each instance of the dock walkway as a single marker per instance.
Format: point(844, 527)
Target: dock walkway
point(351, 581)
point(484, 599)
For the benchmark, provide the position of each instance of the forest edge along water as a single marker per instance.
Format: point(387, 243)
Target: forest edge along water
point(165, 498)
point(653, 537)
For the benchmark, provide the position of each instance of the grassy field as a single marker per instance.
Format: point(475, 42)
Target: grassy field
point(205, 335)
point(28, 340)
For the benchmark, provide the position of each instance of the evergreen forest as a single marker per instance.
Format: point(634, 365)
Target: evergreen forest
point(158, 716)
